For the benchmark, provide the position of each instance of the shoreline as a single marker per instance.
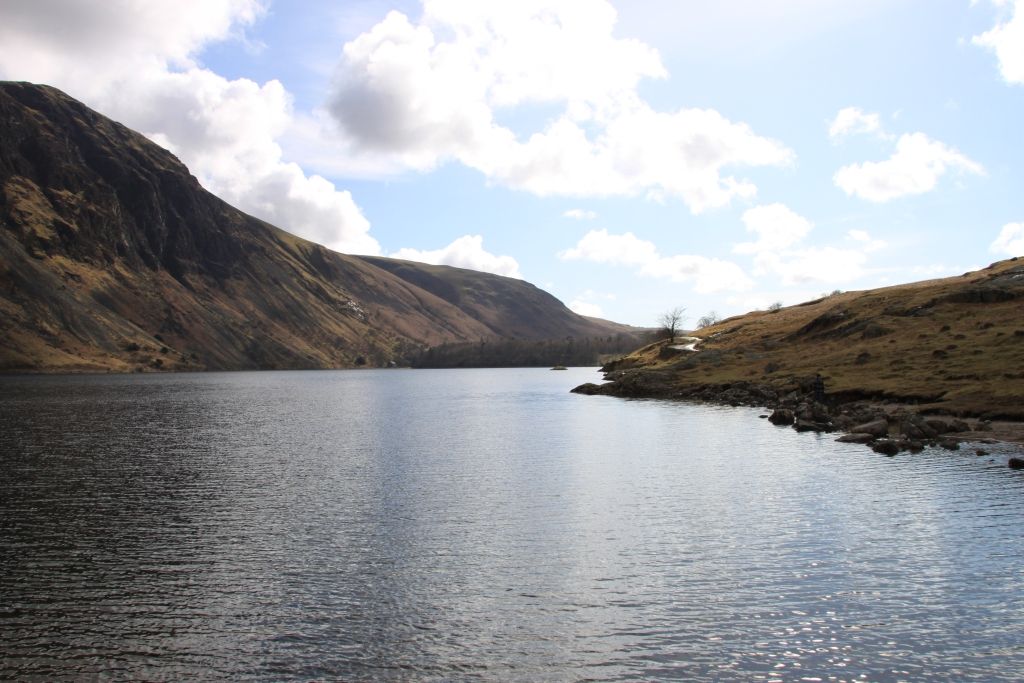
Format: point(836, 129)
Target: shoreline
point(889, 427)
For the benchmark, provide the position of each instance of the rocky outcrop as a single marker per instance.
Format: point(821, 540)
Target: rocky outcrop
point(782, 417)
point(876, 428)
point(863, 422)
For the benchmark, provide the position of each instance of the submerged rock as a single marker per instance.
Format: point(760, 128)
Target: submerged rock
point(812, 426)
point(886, 447)
point(856, 437)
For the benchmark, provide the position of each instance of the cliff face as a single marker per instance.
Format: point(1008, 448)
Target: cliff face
point(113, 257)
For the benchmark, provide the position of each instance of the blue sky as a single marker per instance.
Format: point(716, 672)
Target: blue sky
point(627, 157)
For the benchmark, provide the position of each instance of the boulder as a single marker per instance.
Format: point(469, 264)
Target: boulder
point(856, 438)
point(782, 416)
point(959, 426)
point(843, 422)
point(1016, 464)
point(937, 425)
point(876, 428)
point(589, 389)
point(915, 427)
point(812, 426)
point(819, 412)
point(912, 445)
point(950, 444)
point(886, 447)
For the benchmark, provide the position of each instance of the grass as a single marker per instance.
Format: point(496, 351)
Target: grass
point(953, 345)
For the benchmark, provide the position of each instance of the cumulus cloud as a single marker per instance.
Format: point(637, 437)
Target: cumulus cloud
point(914, 168)
point(599, 246)
point(707, 275)
point(136, 63)
point(586, 308)
point(465, 252)
point(1006, 39)
point(776, 226)
point(427, 92)
point(580, 215)
point(825, 265)
point(853, 120)
point(779, 249)
point(585, 304)
point(866, 241)
point(1010, 240)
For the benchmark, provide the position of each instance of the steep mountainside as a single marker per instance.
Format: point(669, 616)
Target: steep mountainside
point(112, 257)
point(952, 345)
point(507, 307)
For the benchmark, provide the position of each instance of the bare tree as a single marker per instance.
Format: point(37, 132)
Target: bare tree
point(671, 321)
point(712, 318)
point(777, 306)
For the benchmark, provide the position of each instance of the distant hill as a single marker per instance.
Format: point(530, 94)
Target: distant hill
point(953, 345)
point(113, 257)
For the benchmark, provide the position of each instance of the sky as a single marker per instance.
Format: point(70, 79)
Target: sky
point(628, 157)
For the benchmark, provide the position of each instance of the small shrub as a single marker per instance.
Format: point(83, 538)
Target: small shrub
point(712, 318)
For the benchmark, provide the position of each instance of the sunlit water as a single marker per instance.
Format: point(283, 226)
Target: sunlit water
point(483, 524)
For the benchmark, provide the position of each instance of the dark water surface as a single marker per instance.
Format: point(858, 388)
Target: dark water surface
point(483, 524)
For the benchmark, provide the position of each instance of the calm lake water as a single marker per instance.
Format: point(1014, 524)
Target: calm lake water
point(483, 525)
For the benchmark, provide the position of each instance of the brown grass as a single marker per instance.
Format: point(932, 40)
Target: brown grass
point(955, 344)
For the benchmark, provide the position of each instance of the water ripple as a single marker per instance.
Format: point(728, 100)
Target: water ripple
point(483, 525)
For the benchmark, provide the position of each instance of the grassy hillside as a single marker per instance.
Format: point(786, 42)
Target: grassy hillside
point(113, 257)
point(953, 345)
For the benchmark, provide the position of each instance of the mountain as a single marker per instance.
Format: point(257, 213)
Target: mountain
point(113, 257)
point(953, 345)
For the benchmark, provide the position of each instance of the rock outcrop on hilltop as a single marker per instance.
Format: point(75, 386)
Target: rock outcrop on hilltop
point(113, 257)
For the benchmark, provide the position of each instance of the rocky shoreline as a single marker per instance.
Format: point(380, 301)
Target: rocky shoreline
point(887, 427)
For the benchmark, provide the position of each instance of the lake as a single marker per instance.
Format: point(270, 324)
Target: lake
point(483, 525)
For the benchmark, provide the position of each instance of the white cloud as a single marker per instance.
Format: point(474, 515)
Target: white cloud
point(601, 247)
point(580, 215)
point(708, 275)
point(824, 265)
point(853, 120)
point(866, 241)
point(914, 168)
point(1010, 240)
point(586, 308)
point(776, 226)
point(1006, 39)
point(428, 92)
point(778, 249)
point(465, 252)
point(584, 304)
point(135, 62)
